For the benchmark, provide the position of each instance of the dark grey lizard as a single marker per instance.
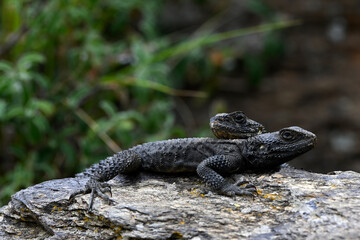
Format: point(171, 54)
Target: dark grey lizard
point(210, 158)
point(235, 125)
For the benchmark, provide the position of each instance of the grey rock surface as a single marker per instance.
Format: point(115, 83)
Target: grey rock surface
point(292, 204)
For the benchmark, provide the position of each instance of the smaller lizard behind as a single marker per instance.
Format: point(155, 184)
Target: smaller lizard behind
point(235, 125)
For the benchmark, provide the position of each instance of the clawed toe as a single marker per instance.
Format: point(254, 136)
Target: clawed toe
point(232, 190)
point(246, 183)
point(246, 192)
point(241, 182)
point(250, 186)
point(98, 189)
point(78, 192)
point(105, 189)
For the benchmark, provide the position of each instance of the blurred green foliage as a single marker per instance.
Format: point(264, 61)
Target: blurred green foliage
point(79, 79)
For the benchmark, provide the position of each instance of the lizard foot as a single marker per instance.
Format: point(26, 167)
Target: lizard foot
point(232, 190)
point(96, 188)
point(241, 182)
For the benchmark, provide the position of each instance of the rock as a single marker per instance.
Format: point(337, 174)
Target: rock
point(291, 204)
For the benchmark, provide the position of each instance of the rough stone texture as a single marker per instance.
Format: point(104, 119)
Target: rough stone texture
point(292, 204)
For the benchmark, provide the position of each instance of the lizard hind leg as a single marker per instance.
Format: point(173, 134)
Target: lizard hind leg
point(121, 162)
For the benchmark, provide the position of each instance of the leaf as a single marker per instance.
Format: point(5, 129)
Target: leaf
point(41, 123)
point(46, 107)
point(28, 60)
point(125, 125)
point(75, 98)
point(22, 176)
point(108, 107)
point(42, 80)
point(2, 109)
point(14, 112)
point(5, 67)
point(140, 52)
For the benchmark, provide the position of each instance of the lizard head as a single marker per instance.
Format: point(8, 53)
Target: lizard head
point(235, 125)
point(272, 149)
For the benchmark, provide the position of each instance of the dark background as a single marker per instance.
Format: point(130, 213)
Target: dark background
point(315, 83)
point(82, 80)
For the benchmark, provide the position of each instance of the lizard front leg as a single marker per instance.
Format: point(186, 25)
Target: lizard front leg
point(209, 170)
point(121, 162)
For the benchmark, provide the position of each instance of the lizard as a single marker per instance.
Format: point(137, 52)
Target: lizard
point(210, 158)
point(235, 125)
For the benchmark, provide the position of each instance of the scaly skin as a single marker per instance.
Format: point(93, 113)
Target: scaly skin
point(235, 125)
point(209, 157)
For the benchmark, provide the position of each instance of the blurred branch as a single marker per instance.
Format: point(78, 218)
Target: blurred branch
point(200, 41)
point(210, 39)
point(163, 88)
point(132, 81)
point(95, 128)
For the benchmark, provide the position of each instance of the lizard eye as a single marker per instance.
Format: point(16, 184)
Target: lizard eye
point(240, 119)
point(287, 135)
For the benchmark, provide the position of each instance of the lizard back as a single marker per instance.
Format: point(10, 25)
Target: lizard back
point(183, 155)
